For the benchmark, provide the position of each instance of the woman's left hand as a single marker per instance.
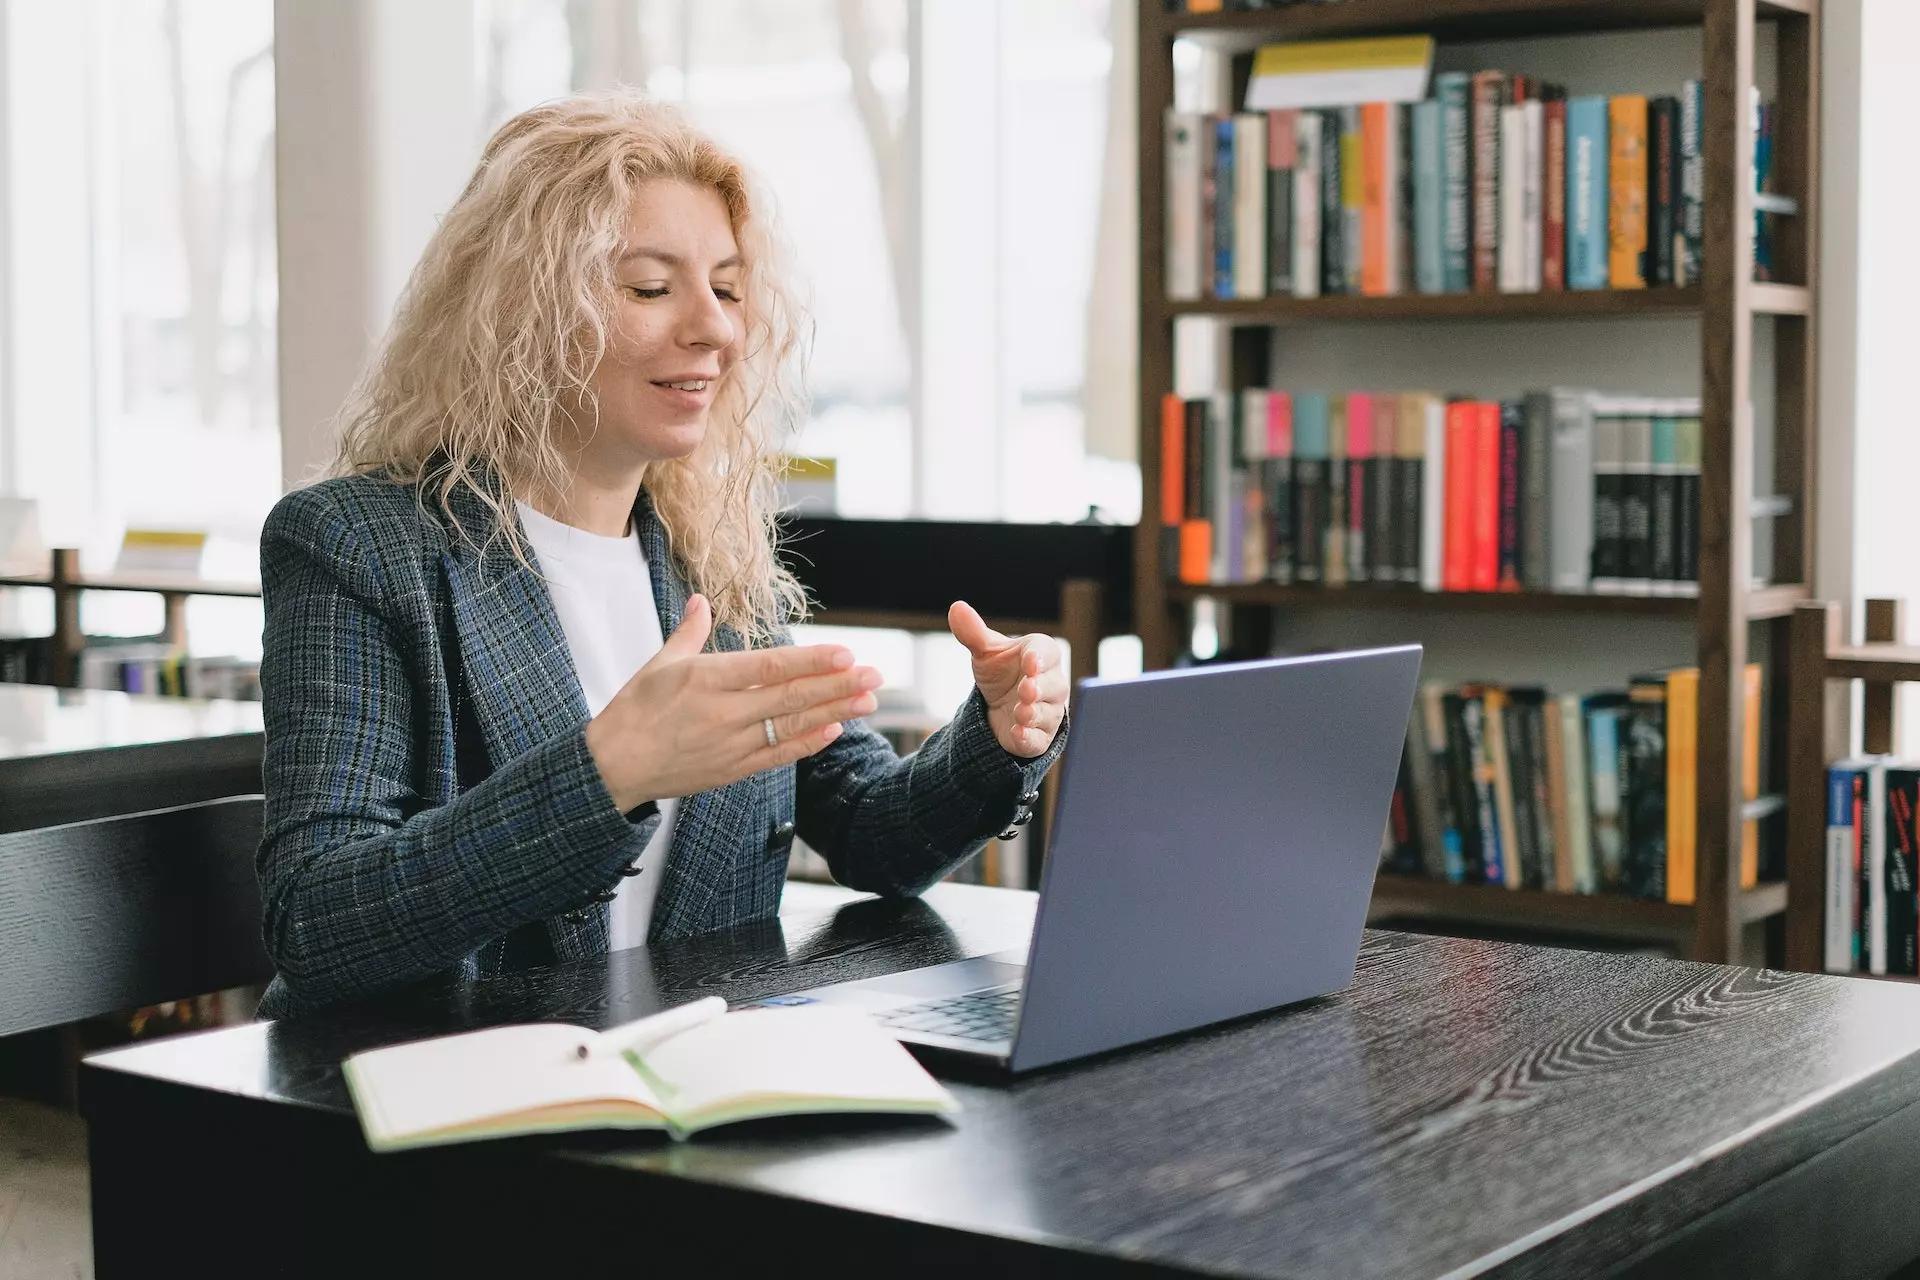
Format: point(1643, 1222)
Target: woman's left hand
point(1021, 677)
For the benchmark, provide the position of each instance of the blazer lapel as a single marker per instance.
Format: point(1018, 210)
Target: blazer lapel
point(707, 831)
point(513, 654)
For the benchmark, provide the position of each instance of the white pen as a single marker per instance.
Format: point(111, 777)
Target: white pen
point(639, 1036)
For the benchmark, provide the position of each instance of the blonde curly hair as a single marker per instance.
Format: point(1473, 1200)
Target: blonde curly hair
point(508, 314)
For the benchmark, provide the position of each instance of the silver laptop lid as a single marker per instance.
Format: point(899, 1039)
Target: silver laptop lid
point(1215, 844)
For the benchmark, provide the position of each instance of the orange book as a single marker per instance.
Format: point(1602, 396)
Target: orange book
point(1377, 203)
point(1204, 6)
point(1456, 543)
point(1196, 551)
point(1484, 469)
point(1173, 464)
point(1750, 776)
point(1683, 764)
point(1627, 192)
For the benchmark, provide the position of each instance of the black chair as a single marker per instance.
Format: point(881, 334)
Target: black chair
point(127, 911)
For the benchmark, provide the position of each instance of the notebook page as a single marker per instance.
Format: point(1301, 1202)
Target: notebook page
point(810, 1052)
point(462, 1079)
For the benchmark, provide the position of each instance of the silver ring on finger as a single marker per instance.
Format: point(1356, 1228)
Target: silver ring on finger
point(773, 739)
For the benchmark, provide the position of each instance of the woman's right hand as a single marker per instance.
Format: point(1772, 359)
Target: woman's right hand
point(690, 721)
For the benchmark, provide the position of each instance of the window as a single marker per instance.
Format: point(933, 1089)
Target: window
point(138, 382)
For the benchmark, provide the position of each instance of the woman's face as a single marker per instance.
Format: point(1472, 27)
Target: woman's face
point(678, 320)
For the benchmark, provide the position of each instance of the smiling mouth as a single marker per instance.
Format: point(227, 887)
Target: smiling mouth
point(699, 385)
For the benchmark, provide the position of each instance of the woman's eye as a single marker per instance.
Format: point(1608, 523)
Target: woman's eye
point(727, 294)
point(640, 292)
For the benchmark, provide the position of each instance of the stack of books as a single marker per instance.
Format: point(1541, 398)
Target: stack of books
point(1872, 912)
point(1564, 490)
point(1499, 183)
point(1521, 788)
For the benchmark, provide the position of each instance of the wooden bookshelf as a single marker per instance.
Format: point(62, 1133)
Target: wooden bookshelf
point(1726, 304)
point(1821, 732)
point(68, 584)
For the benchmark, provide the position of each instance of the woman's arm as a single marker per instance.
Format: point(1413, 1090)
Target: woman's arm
point(363, 887)
point(894, 825)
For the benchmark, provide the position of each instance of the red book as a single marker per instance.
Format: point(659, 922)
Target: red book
point(1279, 424)
point(1553, 191)
point(1173, 465)
point(1377, 204)
point(1456, 564)
point(1485, 519)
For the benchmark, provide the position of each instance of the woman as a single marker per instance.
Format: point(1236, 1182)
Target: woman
point(529, 689)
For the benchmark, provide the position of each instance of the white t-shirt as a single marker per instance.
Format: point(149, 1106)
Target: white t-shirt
point(604, 597)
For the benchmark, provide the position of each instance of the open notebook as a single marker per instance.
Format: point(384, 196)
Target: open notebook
point(687, 1069)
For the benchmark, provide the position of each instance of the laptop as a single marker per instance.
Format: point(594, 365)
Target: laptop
point(1215, 843)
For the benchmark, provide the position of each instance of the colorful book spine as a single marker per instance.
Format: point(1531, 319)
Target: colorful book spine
point(1453, 89)
point(1587, 193)
point(1173, 478)
point(1249, 205)
point(1279, 485)
point(1429, 199)
point(1663, 512)
point(1693, 189)
point(1333, 233)
point(1536, 462)
point(1460, 465)
point(1841, 951)
point(1663, 182)
point(1606, 771)
point(1571, 483)
point(1636, 501)
point(1409, 525)
point(1512, 471)
point(1553, 193)
point(1512, 241)
point(1514, 853)
point(1488, 95)
point(1353, 188)
point(1306, 205)
point(1283, 147)
point(1646, 792)
point(1573, 731)
point(1433, 493)
point(1310, 485)
point(1223, 207)
point(1485, 496)
point(1683, 766)
point(1360, 466)
point(1377, 212)
point(1627, 187)
point(1481, 761)
point(1609, 459)
point(1903, 906)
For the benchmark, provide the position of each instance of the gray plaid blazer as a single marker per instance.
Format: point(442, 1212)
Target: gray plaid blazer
point(432, 811)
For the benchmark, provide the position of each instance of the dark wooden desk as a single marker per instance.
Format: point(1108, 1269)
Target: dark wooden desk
point(67, 755)
point(1465, 1108)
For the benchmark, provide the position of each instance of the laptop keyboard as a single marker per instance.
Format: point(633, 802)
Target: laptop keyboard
point(977, 1015)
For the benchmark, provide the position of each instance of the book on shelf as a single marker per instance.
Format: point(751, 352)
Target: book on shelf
point(689, 1068)
point(1563, 490)
point(1871, 915)
point(1496, 183)
point(1519, 787)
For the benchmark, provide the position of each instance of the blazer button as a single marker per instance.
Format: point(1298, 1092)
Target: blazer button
point(605, 895)
point(1029, 797)
point(632, 869)
point(782, 834)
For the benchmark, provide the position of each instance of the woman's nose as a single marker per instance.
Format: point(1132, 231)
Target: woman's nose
point(707, 323)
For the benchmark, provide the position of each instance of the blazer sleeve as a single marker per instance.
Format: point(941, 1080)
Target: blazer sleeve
point(363, 885)
point(895, 825)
